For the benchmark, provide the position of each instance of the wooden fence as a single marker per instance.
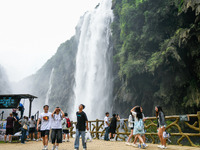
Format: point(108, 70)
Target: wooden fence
point(184, 129)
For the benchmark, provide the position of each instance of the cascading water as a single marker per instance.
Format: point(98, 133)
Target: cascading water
point(93, 77)
point(50, 87)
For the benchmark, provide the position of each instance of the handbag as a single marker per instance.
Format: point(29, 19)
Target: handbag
point(88, 137)
point(25, 127)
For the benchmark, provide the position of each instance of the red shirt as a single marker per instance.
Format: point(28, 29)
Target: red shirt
point(10, 122)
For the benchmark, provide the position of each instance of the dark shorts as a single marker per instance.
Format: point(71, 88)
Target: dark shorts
point(56, 136)
point(31, 130)
point(112, 130)
point(44, 132)
point(9, 131)
point(132, 128)
point(66, 131)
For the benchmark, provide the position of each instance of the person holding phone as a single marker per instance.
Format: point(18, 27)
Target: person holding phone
point(56, 126)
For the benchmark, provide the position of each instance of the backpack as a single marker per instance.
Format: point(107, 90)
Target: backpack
point(140, 125)
point(68, 123)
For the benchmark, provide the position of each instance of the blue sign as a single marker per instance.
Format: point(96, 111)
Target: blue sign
point(9, 102)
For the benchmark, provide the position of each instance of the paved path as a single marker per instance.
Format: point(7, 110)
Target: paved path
point(94, 145)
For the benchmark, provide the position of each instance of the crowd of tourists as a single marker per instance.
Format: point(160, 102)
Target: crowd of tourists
point(30, 129)
point(136, 121)
point(57, 125)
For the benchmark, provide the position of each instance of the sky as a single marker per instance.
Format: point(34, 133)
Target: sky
point(32, 30)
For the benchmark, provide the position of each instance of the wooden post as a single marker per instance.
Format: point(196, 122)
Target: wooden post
point(71, 129)
point(97, 126)
point(90, 126)
point(198, 116)
point(30, 106)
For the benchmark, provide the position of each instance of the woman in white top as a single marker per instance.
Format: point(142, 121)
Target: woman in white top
point(131, 126)
point(56, 126)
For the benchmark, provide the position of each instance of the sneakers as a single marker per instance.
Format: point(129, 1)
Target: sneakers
point(139, 145)
point(53, 148)
point(68, 140)
point(33, 139)
point(112, 140)
point(144, 146)
point(37, 140)
point(127, 143)
point(63, 140)
point(84, 149)
point(45, 148)
point(134, 145)
point(56, 148)
point(163, 147)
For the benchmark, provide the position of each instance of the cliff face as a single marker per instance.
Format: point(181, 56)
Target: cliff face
point(4, 82)
point(157, 55)
point(61, 79)
point(156, 60)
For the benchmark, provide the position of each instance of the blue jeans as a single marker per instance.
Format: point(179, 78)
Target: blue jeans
point(78, 133)
point(106, 134)
point(23, 137)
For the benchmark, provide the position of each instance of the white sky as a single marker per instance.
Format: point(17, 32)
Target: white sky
point(32, 30)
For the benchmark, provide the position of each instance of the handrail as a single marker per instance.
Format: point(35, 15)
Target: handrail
point(173, 122)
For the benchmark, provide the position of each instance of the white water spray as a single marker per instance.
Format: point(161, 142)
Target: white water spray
point(93, 77)
point(50, 87)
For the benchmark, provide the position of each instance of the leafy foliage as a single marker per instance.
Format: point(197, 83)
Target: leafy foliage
point(157, 54)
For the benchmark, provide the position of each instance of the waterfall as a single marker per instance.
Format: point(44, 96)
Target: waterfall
point(50, 87)
point(93, 76)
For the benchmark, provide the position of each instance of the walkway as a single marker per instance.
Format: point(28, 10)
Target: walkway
point(94, 145)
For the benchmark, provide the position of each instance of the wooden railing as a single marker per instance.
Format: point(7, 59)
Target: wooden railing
point(184, 130)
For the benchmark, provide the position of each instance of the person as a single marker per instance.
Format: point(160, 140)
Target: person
point(17, 125)
point(21, 109)
point(9, 127)
point(65, 126)
point(24, 128)
point(138, 125)
point(39, 133)
point(113, 126)
point(14, 111)
point(161, 126)
point(32, 124)
point(82, 125)
point(45, 119)
point(131, 126)
point(56, 126)
point(106, 126)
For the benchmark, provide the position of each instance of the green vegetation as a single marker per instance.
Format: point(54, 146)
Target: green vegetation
point(157, 55)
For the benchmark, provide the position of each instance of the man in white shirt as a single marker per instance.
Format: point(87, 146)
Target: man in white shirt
point(56, 126)
point(45, 119)
point(106, 126)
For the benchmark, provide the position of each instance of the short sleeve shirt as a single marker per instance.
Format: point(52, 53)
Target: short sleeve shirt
point(106, 119)
point(56, 122)
point(81, 121)
point(10, 122)
point(32, 123)
point(45, 121)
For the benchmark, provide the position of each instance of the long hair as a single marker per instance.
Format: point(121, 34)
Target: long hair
point(139, 113)
point(159, 110)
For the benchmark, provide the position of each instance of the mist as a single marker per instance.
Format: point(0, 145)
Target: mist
point(31, 32)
